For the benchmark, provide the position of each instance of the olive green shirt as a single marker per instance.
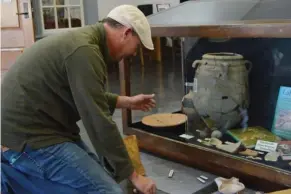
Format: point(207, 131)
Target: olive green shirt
point(55, 83)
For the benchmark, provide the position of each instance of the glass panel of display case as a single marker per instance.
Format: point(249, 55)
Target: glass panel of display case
point(235, 92)
point(213, 12)
point(159, 72)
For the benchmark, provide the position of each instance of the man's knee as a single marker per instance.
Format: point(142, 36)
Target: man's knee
point(117, 189)
point(108, 189)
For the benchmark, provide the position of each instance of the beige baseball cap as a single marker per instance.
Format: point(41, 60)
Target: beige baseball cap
point(130, 16)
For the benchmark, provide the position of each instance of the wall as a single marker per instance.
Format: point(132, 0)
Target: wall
point(104, 7)
point(90, 11)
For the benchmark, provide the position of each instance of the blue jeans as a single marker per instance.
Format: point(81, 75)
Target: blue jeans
point(69, 164)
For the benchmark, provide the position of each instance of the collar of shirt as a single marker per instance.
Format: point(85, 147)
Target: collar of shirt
point(102, 43)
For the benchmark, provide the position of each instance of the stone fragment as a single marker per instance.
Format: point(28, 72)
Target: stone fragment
point(249, 152)
point(231, 148)
point(272, 156)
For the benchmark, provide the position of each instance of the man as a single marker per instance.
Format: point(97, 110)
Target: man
point(60, 80)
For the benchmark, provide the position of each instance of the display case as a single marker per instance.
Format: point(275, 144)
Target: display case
point(234, 51)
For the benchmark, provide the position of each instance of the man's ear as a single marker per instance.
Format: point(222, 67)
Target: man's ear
point(127, 31)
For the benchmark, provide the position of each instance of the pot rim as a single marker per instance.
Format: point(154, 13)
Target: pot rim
point(222, 56)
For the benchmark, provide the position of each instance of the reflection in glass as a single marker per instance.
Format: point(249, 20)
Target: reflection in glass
point(75, 15)
point(63, 17)
point(49, 18)
point(74, 2)
point(270, 71)
point(163, 78)
point(47, 2)
point(61, 2)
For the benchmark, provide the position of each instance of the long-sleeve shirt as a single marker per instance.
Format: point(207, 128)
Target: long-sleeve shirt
point(55, 83)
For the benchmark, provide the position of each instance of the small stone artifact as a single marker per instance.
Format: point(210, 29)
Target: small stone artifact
point(215, 141)
point(249, 152)
point(201, 180)
point(203, 133)
point(217, 134)
point(254, 158)
point(272, 156)
point(229, 186)
point(204, 177)
point(231, 148)
point(206, 142)
point(171, 173)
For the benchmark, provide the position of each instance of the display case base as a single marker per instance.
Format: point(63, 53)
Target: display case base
point(253, 174)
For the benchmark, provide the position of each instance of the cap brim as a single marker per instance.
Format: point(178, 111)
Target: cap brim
point(147, 42)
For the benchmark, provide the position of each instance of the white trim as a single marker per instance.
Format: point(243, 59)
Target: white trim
point(10, 49)
point(56, 18)
point(69, 16)
point(82, 13)
point(47, 32)
point(41, 15)
point(60, 6)
point(54, 31)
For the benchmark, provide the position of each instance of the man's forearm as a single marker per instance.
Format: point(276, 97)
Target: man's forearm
point(123, 102)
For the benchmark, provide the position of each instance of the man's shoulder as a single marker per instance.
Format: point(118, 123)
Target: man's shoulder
point(71, 38)
point(89, 54)
point(87, 50)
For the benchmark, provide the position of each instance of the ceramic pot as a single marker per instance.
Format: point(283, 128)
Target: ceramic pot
point(221, 87)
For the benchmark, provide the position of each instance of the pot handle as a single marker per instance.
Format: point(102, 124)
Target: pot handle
point(197, 63)
point(249, 66)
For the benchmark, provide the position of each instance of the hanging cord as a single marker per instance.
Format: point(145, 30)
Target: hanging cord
point(245, 118)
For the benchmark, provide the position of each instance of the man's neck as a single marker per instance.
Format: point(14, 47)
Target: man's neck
point(110, 41)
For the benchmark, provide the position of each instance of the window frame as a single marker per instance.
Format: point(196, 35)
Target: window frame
point(46, 32)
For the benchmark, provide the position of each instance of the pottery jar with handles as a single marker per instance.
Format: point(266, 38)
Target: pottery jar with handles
point(221, 87)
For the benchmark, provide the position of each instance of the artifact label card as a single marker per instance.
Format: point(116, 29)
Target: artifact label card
point(266, 146)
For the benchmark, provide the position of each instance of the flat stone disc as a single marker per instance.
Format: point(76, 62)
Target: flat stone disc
point(164, 119)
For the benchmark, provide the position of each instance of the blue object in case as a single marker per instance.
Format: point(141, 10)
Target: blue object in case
point(282, 118)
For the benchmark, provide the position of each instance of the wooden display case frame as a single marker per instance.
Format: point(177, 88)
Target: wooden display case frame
point(253, 174)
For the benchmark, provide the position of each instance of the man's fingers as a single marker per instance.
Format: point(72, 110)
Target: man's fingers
point(153, 188)
point(149, 190)
point(152, 105)
point(148, 96)
point(147, 106)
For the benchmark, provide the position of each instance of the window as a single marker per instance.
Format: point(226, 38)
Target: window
point(61, 14)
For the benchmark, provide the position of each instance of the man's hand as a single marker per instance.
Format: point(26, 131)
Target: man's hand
point(142, 102)
point(143, 184)
point(139, 102)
